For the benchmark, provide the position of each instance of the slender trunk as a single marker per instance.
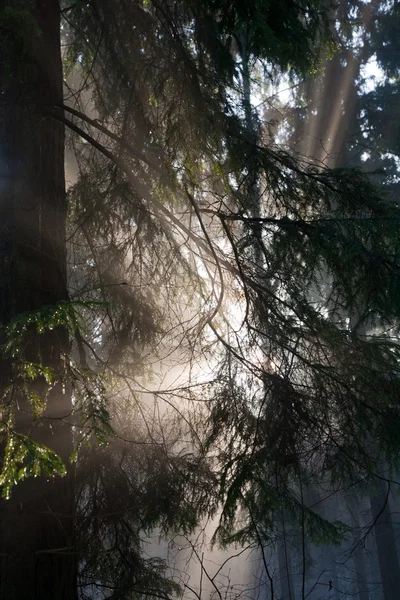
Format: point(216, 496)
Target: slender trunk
point(285, 566)
point(37, 549)
point(254, 192)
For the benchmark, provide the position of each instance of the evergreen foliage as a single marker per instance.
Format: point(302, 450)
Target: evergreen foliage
point(180, 137)
point(191, 234)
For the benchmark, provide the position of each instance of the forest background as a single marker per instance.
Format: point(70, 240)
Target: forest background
point(205, 325)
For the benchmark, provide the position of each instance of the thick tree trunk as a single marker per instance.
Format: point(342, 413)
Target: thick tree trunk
point(37, 542)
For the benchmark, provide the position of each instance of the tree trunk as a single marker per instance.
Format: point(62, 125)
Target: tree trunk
point(386, 543)
point(37, 542)
point(354, 504)
point(285, 566)
point(253, 199)
point(359, 563)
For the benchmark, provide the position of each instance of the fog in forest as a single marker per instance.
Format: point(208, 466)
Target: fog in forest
point(199, 300)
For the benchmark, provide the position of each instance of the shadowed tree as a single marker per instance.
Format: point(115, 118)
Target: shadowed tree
point(37, 535)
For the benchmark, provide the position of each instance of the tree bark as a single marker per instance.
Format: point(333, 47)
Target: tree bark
point(37, 541)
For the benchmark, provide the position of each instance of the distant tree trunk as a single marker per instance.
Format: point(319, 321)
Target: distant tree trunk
point(354, 503)
point(285, 575)
point(36, 533)
point(385, 543)
point(395, 511)
point(374, 573)
point(362, 585)
point(254, 193)
point(285, 566)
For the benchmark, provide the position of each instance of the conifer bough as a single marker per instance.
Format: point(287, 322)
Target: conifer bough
point(166, 135)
